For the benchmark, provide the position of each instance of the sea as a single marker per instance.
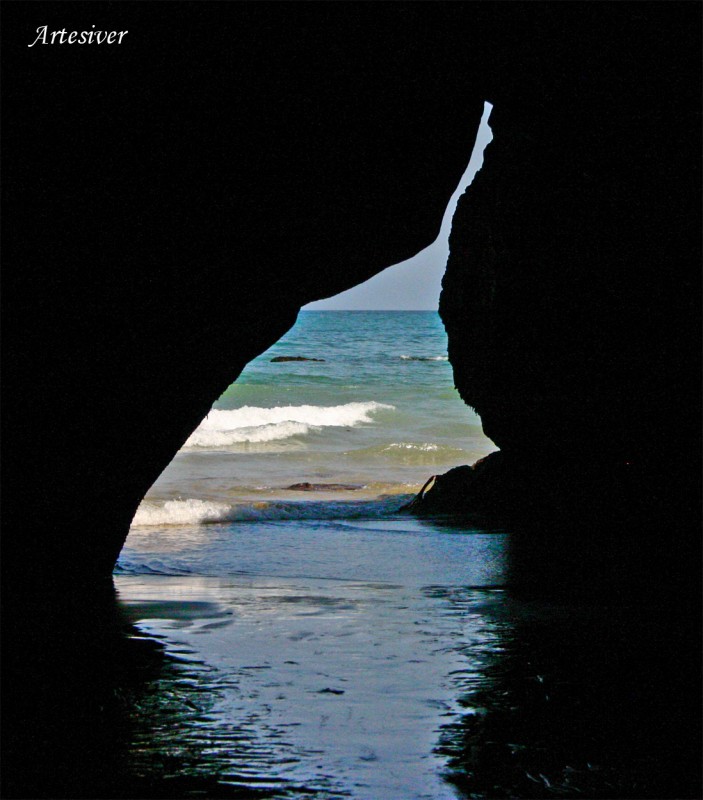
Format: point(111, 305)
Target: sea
point(373, 409)
point(323, 643)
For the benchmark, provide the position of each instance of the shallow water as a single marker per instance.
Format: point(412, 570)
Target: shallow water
point(391, 658)
point(331, 638)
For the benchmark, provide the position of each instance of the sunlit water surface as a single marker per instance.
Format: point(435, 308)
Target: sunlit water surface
point(327, 656)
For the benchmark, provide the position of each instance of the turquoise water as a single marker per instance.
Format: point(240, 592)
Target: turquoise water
point(377, 412)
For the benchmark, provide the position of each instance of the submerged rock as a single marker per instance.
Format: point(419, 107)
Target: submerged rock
point(323, 487)
point(278, 359)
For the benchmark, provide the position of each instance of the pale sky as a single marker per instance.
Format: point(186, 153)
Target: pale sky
point(414, 284)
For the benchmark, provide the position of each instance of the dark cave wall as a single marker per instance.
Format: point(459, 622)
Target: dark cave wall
point(572, 289)
point(171, 204)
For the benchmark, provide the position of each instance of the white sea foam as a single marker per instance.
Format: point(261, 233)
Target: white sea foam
point(201, 512)
point(222, 428)
point(425, 447)
point(179, 512)
point(425, 358)
point(405, 449)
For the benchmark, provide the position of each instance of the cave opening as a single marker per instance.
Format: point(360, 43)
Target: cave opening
point(349, 412)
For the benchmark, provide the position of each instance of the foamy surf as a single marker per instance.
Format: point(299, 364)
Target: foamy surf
point(424, 358)
point(202, 512)
point(179, 512)
point(424, 447)
point(223, 428)
point(427, 453)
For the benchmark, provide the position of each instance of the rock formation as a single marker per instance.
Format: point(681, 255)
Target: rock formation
point(568, 298)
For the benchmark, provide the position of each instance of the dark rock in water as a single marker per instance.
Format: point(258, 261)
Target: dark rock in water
point(443, 493)
point(547, 493)
point(486, 489)
point(323, 487)
point(293, 358)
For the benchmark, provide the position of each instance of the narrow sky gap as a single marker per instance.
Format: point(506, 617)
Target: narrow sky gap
point(414, 284)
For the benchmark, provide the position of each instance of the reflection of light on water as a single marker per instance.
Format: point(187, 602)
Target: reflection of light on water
point(402, 661)
point(168, 539)
point(397, 549)
point(320, 685)
point(381, 685)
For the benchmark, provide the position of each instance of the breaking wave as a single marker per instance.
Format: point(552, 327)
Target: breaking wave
point(179, 512)
point(222, 428)
point(202, 512)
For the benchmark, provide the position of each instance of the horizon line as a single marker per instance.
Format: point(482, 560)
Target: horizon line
point(382, 310)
